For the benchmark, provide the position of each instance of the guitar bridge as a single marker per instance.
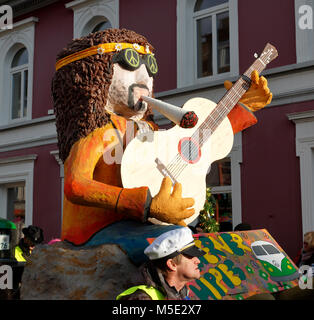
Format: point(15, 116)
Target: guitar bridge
point(164, 171)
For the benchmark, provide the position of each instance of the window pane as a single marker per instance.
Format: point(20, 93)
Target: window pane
point(205, 4)
point(220, 173)
point(102, 26)
point(20, 58)
point(259, 251)
point(224, 207)
point(16, 209)
point(223, 46)
point(16, 203)
point(270, 249)
point(16, 95)
point(204, 47)
point(25, 93)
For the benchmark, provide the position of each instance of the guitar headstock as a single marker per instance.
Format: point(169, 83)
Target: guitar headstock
point(269, 54)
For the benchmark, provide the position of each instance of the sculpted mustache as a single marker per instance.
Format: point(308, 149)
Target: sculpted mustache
point(131, 93)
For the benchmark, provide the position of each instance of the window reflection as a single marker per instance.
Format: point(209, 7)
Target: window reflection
point(219, 180)
point(20, 58)
point(204, 47)
point(220, 173)
point(205, 4)
point(102, 26)
point(223, 47)
point(16, 208)
point(19, 84)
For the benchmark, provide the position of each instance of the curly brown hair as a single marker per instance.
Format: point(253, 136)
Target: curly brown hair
point(80, 88)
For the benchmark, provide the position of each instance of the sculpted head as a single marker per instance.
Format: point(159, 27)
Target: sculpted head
point(89, 85)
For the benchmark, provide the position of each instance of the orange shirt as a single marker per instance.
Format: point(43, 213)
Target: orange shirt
point(93, 194)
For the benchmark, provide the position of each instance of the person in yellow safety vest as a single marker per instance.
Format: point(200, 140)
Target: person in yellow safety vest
point(173, 262)
point(32, 236)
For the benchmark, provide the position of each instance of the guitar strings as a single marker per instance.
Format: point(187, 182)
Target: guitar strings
point(213, 120)
point(177, 164)
point(209, 125)
point(255, 66)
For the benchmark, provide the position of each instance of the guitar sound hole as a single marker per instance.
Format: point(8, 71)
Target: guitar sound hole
point(189, 150)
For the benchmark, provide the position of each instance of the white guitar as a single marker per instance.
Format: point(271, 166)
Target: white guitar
point(185, 155)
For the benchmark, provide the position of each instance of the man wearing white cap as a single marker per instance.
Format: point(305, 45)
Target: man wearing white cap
point(173, 262)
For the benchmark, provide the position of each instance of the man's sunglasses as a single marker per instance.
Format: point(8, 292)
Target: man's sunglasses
point(131, 60)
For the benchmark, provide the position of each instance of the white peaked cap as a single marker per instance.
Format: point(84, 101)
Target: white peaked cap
point(174, 242)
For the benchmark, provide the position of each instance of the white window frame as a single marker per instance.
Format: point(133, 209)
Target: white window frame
point(88, 13)
point(19, 69)
point(186, 34)
point(13, 170)
point(304, 37)
point(12, 40)
point(236, 161)
point(304, 126)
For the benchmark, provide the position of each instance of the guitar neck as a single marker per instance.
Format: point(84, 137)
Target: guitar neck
point(231, 98)
point(225, 105)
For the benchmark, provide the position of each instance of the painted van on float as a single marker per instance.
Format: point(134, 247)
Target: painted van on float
point(275, 263)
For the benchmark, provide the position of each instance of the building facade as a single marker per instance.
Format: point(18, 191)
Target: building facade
point(267, 180)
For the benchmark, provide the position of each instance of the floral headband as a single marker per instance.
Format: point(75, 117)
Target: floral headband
point(101, 49)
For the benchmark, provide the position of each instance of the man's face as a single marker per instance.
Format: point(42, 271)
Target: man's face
point(187, 269)
point(126, 89)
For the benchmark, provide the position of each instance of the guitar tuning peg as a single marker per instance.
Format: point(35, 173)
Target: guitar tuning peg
point(255, 55)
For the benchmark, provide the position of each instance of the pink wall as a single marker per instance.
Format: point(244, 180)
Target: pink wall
point(271, 195)
point(52, 33)
point(47, 193)
point(156, 20)
point(47, 189)
point(266, 21)
point(270, 169)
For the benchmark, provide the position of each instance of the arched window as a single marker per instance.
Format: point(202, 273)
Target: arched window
point(103, 25)
point(16, 72)
point(19, 84)
point(93, 16)
point(96, 23)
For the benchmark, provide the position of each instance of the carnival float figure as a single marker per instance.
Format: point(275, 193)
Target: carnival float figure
point(100, 91)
